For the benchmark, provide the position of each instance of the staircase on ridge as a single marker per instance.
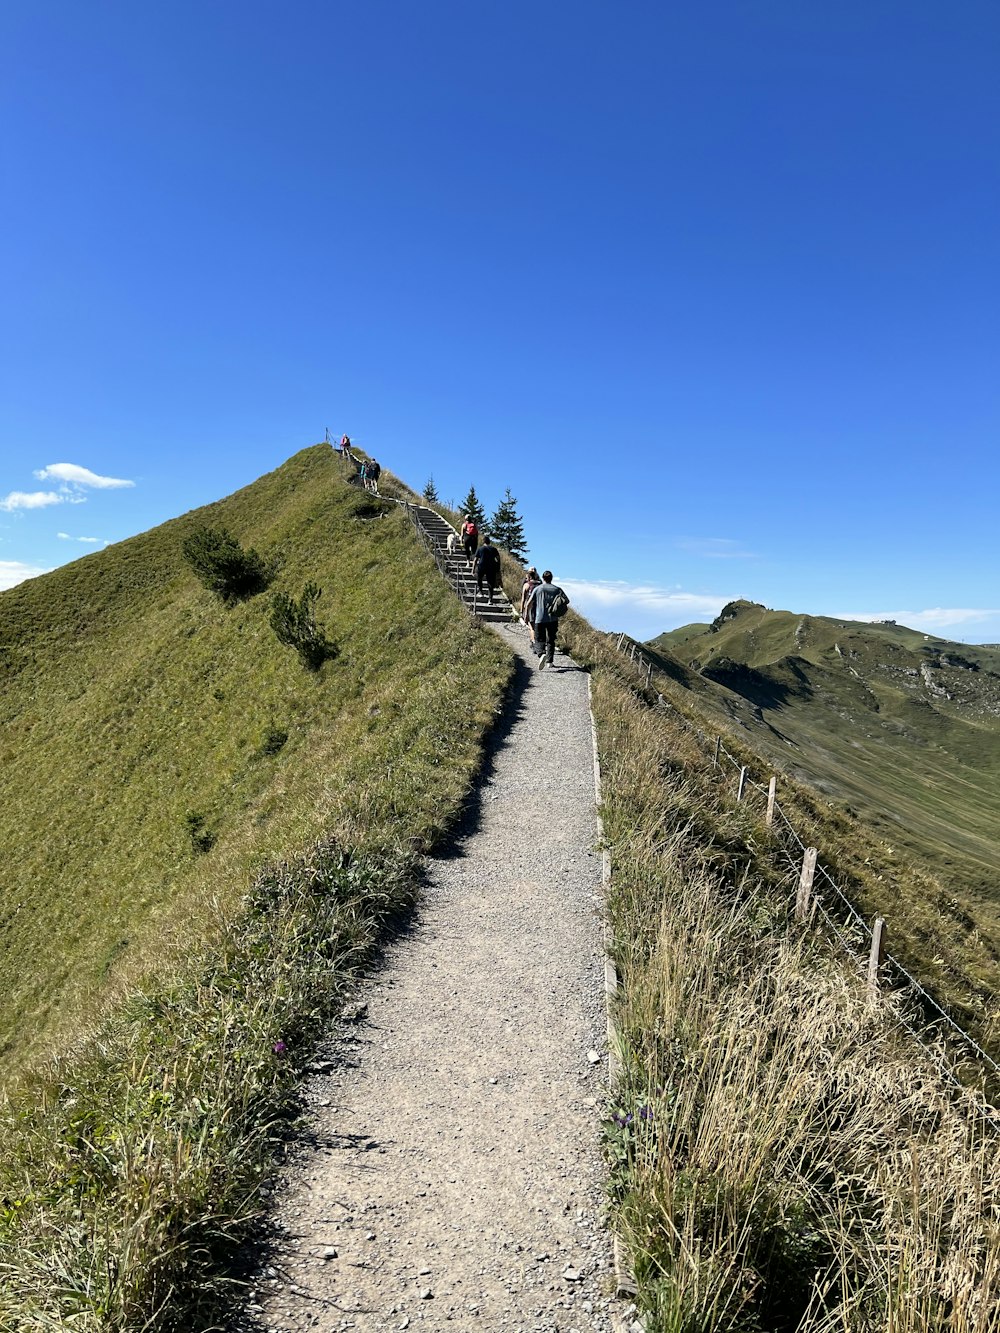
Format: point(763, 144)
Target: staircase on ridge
point(455, 567)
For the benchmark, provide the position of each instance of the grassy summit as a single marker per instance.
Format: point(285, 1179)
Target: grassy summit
point(903, 726)
point(158, 747)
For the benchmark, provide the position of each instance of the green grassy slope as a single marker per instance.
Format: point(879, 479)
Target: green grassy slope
point(781, 1156)
point(131, 697)
point(903, 726)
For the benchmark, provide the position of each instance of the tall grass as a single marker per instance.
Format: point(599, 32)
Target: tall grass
point(782, 1160)
point(130, 1174)
point(783, 1156)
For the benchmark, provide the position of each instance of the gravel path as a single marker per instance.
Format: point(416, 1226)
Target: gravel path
point(453, 1178)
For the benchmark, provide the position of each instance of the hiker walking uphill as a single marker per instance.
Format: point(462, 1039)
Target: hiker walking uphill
point(531, 582)
point(469, 533)
point(546, 605)
point(487, 567)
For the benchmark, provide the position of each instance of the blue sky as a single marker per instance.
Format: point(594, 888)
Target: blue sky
point(712, 288)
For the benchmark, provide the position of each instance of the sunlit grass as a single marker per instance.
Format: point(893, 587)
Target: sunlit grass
point(783, 1157)
point(207, 841)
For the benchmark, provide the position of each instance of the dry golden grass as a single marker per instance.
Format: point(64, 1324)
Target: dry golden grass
point(784, 1156)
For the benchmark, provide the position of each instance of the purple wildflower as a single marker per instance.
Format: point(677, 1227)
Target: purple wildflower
point(279, 1048)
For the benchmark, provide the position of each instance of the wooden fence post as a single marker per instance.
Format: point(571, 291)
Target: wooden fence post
point(772, 787)
point(718, 745)
point(739, 789)
point(875, 957)
point(649, 673)
point(805, 883)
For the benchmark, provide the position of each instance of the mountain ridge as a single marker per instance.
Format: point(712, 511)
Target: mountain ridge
point(902, 726)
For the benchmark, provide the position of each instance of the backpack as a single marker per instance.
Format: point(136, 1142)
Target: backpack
point(559, 604)
point(471, 530)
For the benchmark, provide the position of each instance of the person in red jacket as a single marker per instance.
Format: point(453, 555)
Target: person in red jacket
point(469, 533)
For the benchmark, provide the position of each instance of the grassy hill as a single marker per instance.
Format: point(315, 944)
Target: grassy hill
point(203, 841)
point(207, 841)
point(902, 726)
point(133, 699)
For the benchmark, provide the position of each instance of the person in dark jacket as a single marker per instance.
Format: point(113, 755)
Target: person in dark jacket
point(487, 567)
point(545, 605)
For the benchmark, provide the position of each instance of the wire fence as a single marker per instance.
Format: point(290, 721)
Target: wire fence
point(830, 904)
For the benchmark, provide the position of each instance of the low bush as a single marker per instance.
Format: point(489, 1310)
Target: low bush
point(294, 624)
point(224, 567)
point(202, 838)
point(273, 741)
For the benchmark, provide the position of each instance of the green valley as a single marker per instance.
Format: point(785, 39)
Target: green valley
point(902, 727)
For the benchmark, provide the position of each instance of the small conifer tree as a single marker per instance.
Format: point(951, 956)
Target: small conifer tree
point(471, 505)
point(507, 529)
point(430, 491)
point(294, 624)
point(225, 567)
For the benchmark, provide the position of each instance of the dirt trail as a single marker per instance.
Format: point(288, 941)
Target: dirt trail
point(452, 1179)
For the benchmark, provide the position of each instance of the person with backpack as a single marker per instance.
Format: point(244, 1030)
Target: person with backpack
point(546, 606)
point(469, 533)
point(487, 567)
point(374, 472)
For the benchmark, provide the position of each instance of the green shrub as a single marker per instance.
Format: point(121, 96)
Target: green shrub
point(224, 567)
point(294, 624)
point(202, 839)
point(273, 740)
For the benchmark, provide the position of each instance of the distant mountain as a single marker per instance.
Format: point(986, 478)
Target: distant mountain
point(902, 726)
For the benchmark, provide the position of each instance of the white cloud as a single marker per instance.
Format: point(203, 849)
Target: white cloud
point(715, 548)
point(939, 617)
point(79, 476)
point(75, 480)
point(643, 610)
point(13, 572)
point(30, 500)
point(90, 541)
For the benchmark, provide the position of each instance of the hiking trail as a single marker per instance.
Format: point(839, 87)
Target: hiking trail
point(451, 1175)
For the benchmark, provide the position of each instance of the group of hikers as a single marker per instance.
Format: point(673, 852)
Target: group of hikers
point(543, 603)
point(368, 469)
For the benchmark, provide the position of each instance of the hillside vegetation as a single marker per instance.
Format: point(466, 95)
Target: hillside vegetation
point(211, 832)
point(902, 726)
point(132, 699)
point(204, 838)
point(784, 1157)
